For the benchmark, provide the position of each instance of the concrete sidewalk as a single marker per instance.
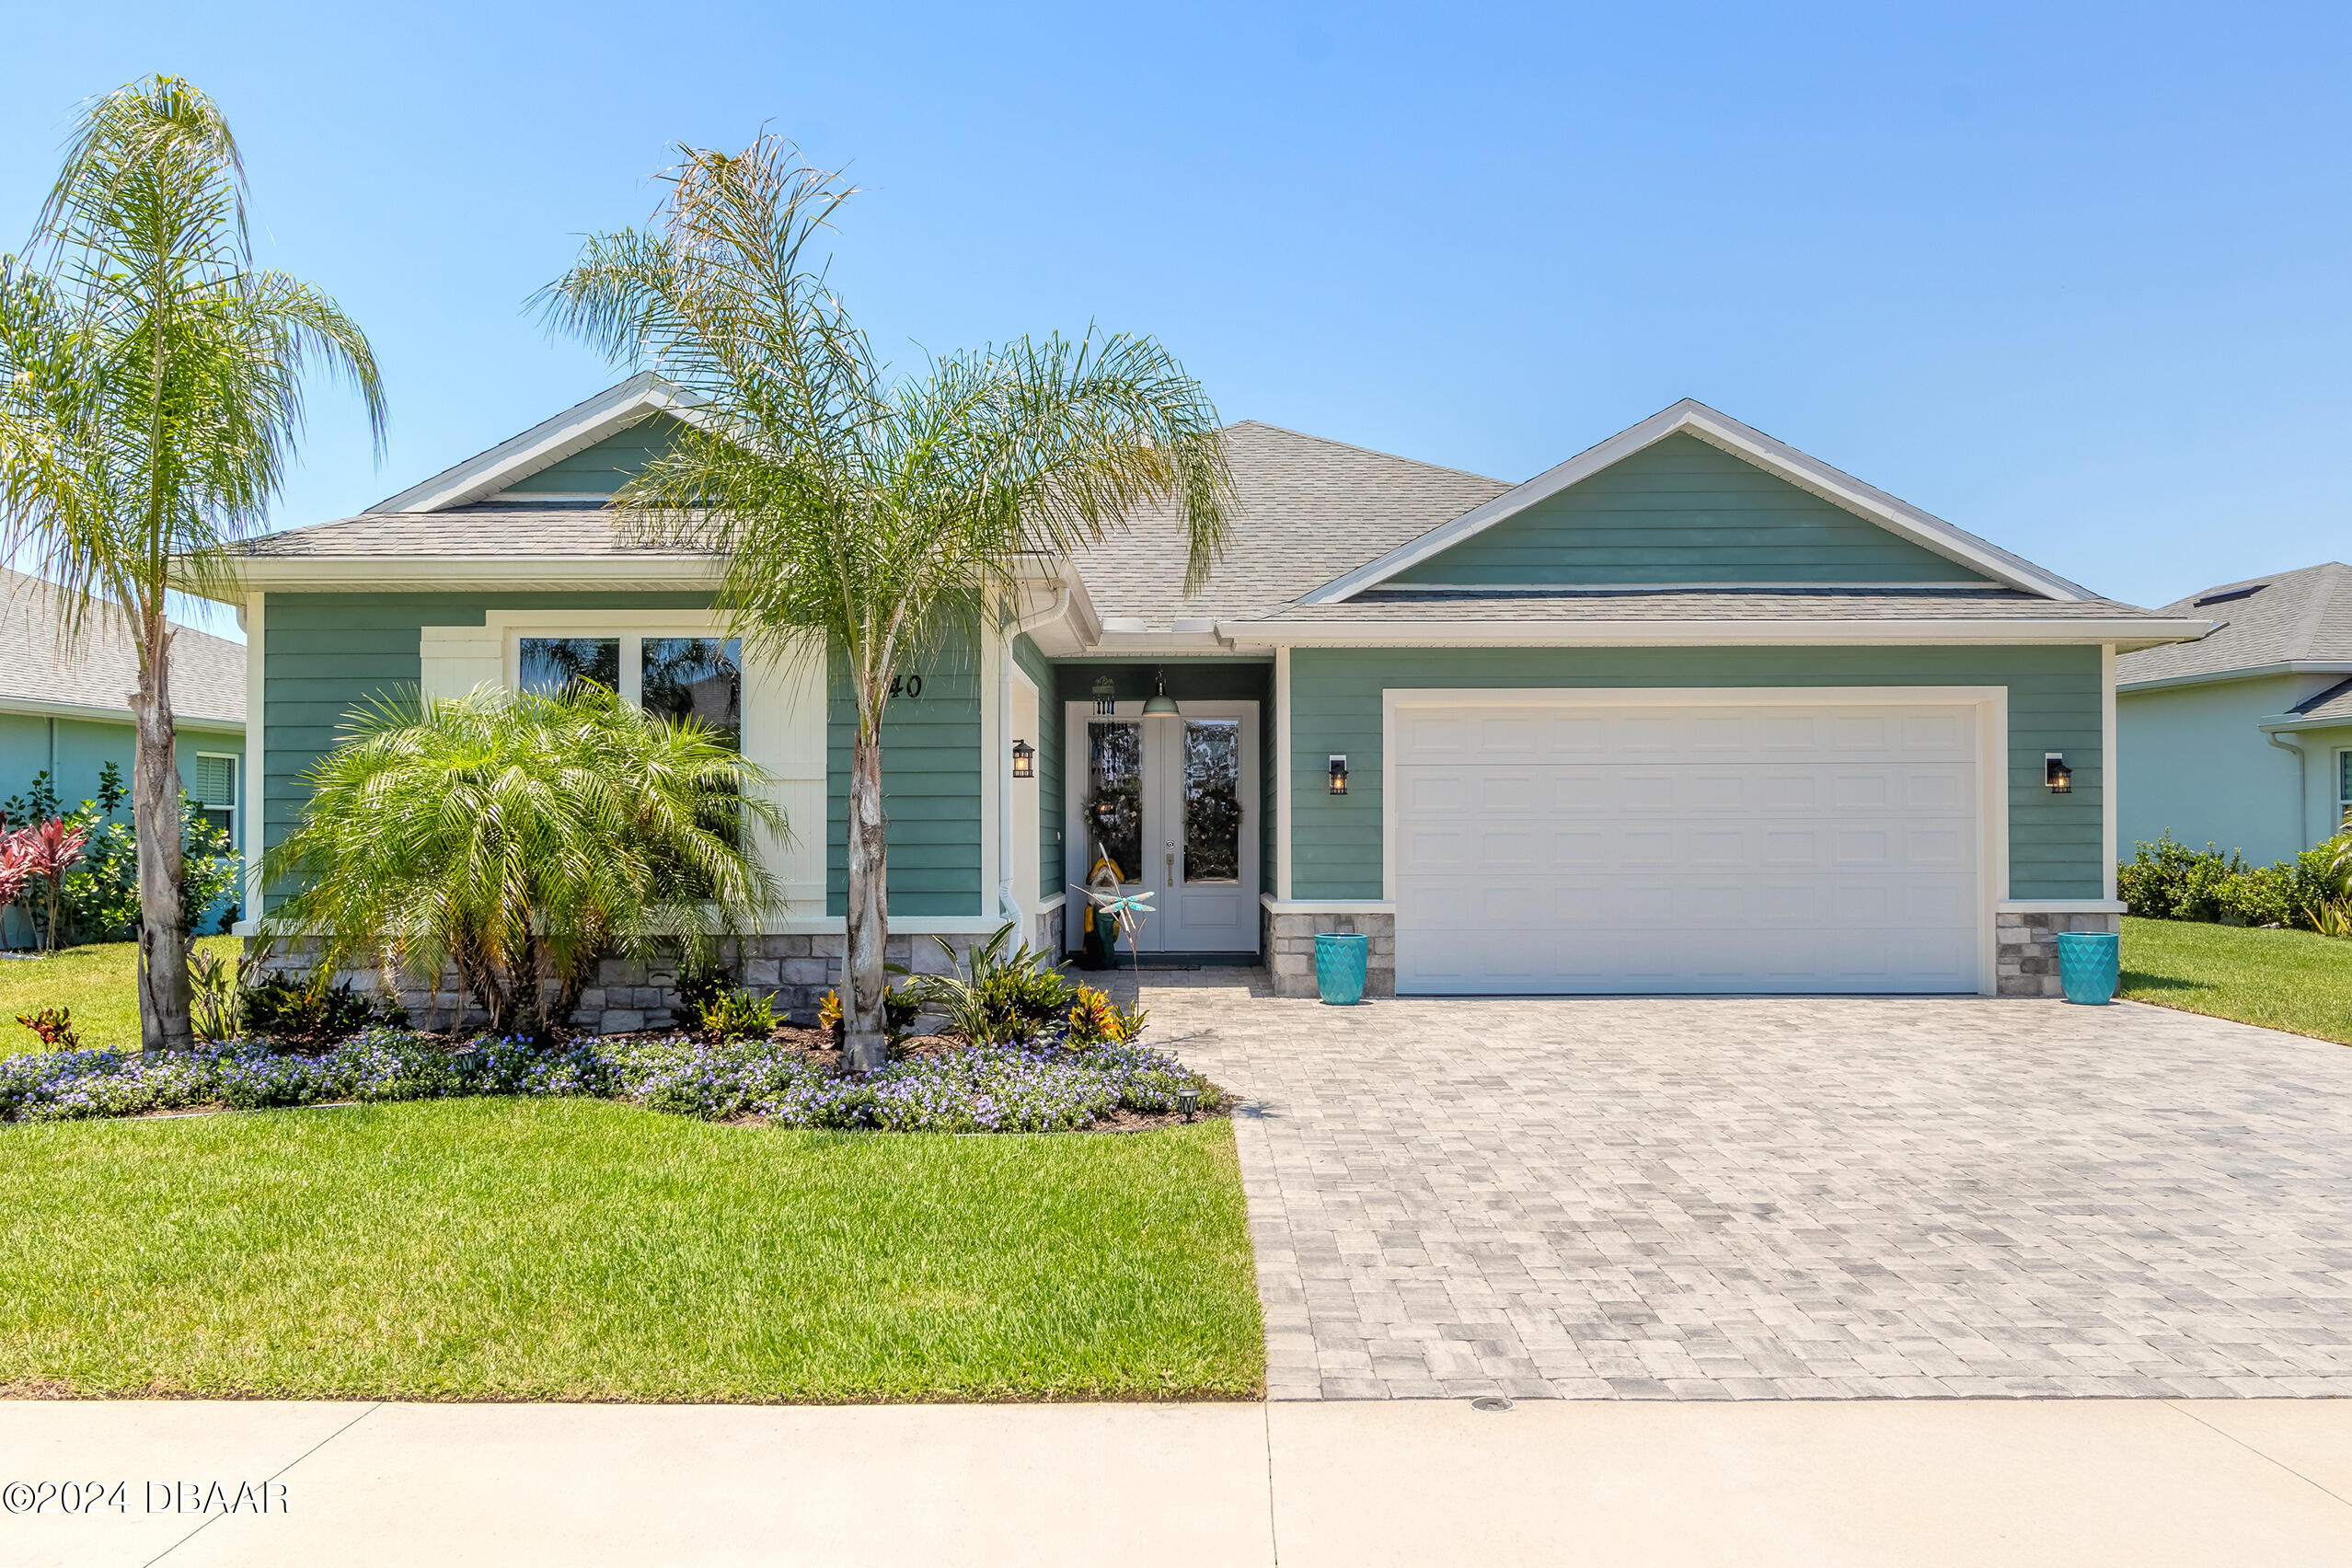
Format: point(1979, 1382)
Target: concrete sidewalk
point(2077, 1482)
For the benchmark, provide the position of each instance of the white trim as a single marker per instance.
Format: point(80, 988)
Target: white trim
point(1282, 772)
point(1991, 704)
point(235, 806)
point(257, 776)
point(995, 788)
point(1327, 906)
point(328, 575)
point(2107, 791)
point(2273, 723)
point(2291, 667)
point(544, 444)
point(2061, 906)
point(1375, 593)
point(39, 709)
point(1809, 473)
point(2125, 634)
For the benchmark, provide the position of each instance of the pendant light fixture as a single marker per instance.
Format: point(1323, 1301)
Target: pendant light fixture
point(1161, 703)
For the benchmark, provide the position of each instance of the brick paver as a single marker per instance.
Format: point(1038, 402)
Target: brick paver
point(1730, 1198)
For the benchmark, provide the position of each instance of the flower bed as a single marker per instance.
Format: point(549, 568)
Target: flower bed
point(1041, 1087)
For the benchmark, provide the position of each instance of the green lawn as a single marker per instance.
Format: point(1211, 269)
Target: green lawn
point(581, 1250)
point(2290, 980)
point(98, 983)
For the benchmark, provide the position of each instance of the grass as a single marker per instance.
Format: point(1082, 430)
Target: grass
point(99, 983)
point(2291, 980)
point(580, 1250)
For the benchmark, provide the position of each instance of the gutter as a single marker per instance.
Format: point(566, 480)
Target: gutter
point(34, 705)
point(2126, 635)
point(2290, 667)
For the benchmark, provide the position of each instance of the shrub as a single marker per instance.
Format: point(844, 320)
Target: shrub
point(56, 1027)
point(994, 998)
point(2166, 881)
point(306, 1012)
point(1095, 1020)
point(94, 896)
point(734, 1016)
point(521, 838)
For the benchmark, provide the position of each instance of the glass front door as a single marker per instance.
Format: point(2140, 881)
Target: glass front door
point(1172, 803)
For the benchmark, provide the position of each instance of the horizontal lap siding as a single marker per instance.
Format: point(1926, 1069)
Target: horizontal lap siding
point(2055, 846)
point(1680, 511)
point(1048, 742)
point(325, 656)
point(601, 469)
point(930, 789)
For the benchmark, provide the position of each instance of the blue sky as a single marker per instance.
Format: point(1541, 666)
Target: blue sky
point(2071, 277)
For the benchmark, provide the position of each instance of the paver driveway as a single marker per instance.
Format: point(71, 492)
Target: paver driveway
point(1710, 1198)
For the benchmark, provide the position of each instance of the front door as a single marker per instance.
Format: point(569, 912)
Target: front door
point(1172, 802)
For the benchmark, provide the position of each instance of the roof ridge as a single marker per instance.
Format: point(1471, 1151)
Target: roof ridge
point(1369, 450)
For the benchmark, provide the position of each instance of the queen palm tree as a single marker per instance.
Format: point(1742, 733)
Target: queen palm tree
point(876, 516)
point(151, 392)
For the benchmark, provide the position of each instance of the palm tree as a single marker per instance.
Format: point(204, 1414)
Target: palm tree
point(151, 392)
point(518, 839)
point(874, 517)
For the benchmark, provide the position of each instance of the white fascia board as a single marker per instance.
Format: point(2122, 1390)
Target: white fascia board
point(1720, 633)
point(380, 573)
point(2290, 667)
point(2062, 907)
point(1809, 473)
point(544, 444)
point(41, 709)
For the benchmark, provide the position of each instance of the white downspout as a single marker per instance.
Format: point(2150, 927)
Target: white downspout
point(1007, 905)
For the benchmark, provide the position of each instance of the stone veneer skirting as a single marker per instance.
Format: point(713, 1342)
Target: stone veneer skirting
point(2026, 962)
point(1288, 941)
point(796, 971)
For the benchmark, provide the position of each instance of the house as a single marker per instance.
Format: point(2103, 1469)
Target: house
point(65, 707)
point(2243, 739)
point(1691, 711)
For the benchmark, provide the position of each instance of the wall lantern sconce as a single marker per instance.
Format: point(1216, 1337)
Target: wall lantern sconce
point(1024, 760)
point(1338, 774)
point(2056, 774)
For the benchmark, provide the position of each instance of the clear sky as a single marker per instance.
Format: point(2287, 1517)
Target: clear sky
point(2071, 277)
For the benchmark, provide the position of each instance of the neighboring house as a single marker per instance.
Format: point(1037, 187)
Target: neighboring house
point(66, 709)
point(2243, 739)
point(1691, 712)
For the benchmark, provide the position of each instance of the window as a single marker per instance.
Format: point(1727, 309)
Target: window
point(2342, 787)
point(215, 791)
point(679, 678)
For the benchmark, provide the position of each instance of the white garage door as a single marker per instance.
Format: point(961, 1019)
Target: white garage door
point(1545, 846)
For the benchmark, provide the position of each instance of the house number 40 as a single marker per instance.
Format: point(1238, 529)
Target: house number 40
point(906, 686)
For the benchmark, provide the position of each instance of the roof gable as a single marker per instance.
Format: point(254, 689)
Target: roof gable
point(1873, 507)
point(1682, 512)
point(604, 468)
point(518, 460)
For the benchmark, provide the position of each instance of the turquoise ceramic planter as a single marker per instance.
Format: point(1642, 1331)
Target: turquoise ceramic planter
point(1339, 960)
point(2088, 965)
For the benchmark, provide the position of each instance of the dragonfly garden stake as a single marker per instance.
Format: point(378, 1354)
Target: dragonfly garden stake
point(1127, 909)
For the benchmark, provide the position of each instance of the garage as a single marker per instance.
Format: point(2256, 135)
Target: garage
point(1565, 842)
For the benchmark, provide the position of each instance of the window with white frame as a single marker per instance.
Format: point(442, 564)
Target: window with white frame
point(680, 678)
point(215, 790)
point(2342, 787)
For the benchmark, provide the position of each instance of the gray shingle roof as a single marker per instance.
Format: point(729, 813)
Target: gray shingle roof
point(100, 668)
point(1385, 608)
point(1310, 509)
point(495, 529)
point(2335, 702)
point(2291, 618)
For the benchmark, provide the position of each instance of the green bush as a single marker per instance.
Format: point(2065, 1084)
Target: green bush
point(734, 1016)
point(99, 901)
point(996, 997)
point(2167, 880)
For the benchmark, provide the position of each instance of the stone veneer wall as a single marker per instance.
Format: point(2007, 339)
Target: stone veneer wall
point(2026, 959)
point(1288, 943)
point(627, 995)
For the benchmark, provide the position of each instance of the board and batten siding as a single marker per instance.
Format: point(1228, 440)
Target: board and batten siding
point(1680, 511)
point(2055, 848)
point(931, 748)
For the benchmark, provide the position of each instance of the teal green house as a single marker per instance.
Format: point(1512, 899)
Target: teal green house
point(1691, 712)
point(2243, 738)
point(65, 709)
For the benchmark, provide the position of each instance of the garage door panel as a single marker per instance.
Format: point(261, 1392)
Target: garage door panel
point(1716, 848)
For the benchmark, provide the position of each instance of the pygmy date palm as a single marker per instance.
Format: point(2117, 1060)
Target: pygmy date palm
point(151, 392)
point(871, 516)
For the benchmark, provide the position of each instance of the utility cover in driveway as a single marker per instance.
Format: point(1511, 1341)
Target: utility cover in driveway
point(1570, 844)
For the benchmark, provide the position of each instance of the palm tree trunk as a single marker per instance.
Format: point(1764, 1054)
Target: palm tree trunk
point(866, 1037)
point(155, 818)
